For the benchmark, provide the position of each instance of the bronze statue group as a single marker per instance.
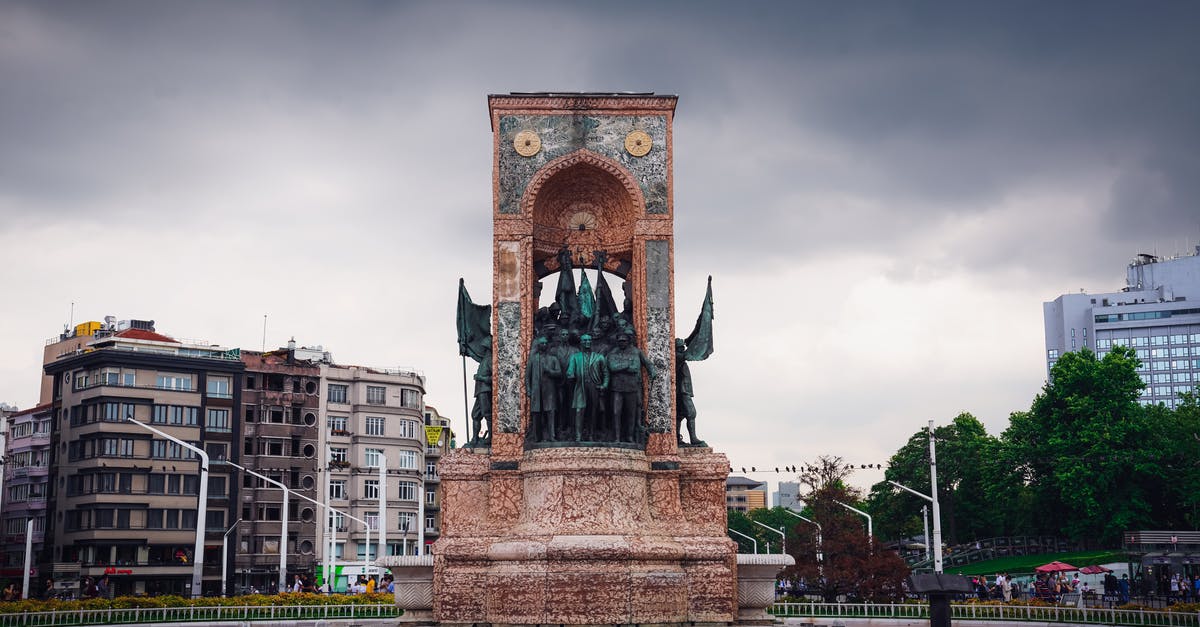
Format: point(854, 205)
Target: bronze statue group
point(584, 376)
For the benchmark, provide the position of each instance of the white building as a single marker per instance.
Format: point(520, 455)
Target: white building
point(373, 416)
point(1157, 313)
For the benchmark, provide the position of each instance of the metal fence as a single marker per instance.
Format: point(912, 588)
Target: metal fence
point(970, 611)
point(132, 616)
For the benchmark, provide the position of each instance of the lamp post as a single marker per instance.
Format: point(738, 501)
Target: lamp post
point(925, 520)
point(774, 530)
point(937, 526)
point(820, 549)
point(202, 503)
point(937, 512)
point(746, 537)
point(870, 530)
point(28, 558)
point(382, 509)
point(283, 515)
point(225, 555)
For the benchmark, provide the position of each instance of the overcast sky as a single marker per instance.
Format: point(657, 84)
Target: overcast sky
point(884, 193)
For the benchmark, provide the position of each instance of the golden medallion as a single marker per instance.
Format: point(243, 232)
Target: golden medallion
point(637, 143)
point(527, 143)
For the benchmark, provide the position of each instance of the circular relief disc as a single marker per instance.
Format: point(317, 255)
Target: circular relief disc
point(637, 143)
point(527, 143)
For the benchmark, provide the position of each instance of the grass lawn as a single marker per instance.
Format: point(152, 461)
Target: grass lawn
point(1024, 564)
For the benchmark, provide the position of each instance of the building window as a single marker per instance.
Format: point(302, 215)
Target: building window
point(372, 457)
point(408, 460)
point(371, 489)
point(430, 470)
point(181, 382)
point(408, 521)
point(220, 387)
point(216, 487)
point(408, 491)
point(363, 550)
point(408, 428)
point(337, 454)
point(337, 393)
point(376, 395)
point(337, 489)
point(337, 425)
point(374, 425)
point(430, 522)
point(372, 521)
point(217, 420)
point(1053, 353)
point(410, 398)
point(431, 496)
point(217, 450)
point(175, 415)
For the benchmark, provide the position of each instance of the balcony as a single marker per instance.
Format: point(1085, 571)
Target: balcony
point(432, 477)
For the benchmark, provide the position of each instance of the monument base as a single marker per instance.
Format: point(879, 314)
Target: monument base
point(584, 536)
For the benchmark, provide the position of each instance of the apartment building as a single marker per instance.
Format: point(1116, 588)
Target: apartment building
point(280, 439)
point(439, 438)
point(27, 487)
point(124, 500)
point(372, 417)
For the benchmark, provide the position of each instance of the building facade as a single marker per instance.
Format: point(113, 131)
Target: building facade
point(788, 495)
point(27, 488)
point(372, 416)
point(125, 499)
point(280, 439)
point(1157, 314)
point(743, 494)
point(439, 438)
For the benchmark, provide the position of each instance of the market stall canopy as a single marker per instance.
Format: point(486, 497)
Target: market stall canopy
point(1055, 567)
point(1094, 570)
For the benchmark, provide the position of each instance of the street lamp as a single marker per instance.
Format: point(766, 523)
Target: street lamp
point(870, 531)
point(937, 512)
point(225, 555)
point(937, 525)
point(202, 507)
point(773, 530)
point(820, 549)
point(746, 537)
point(283, 548)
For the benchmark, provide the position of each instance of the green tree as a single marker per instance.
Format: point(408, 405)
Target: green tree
point(972, 472)
point(1085, 447)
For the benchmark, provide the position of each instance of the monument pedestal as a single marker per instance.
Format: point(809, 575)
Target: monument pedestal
point(584, 536)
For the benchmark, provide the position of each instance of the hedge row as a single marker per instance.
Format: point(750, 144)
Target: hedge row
point(301, 598)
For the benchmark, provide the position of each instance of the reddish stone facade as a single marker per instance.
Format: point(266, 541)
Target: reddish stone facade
point(583, 535)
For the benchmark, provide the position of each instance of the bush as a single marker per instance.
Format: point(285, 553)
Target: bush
point(263, 600)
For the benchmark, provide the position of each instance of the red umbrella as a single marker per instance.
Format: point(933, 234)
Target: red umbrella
point(1055, 567)
point(1094, 570)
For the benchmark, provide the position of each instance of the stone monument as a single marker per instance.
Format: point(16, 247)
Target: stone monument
point(586, 509)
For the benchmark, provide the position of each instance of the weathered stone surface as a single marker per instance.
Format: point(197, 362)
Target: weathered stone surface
point(509, 389)
point(563, 134)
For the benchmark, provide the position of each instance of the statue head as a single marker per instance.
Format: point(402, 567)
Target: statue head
point(585, 342)
point(564, 335)
point(680, 347)
point(623, 340)
point(540, 344)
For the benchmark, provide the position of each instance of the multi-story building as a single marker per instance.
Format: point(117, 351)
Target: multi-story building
point(280, 439)
point(371, 417)
point(788, 495)
point(125, 499)
point(1157, 313)
point(743, 494)
point(26, 489)
point(439, 438)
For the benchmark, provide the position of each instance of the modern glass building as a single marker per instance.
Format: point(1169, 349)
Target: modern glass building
point(1157, 313)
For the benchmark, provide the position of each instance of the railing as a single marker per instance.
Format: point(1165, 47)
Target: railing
point(970, 611)
point(192, 614)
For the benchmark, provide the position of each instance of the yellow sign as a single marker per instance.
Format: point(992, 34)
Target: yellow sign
point(433, 435)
